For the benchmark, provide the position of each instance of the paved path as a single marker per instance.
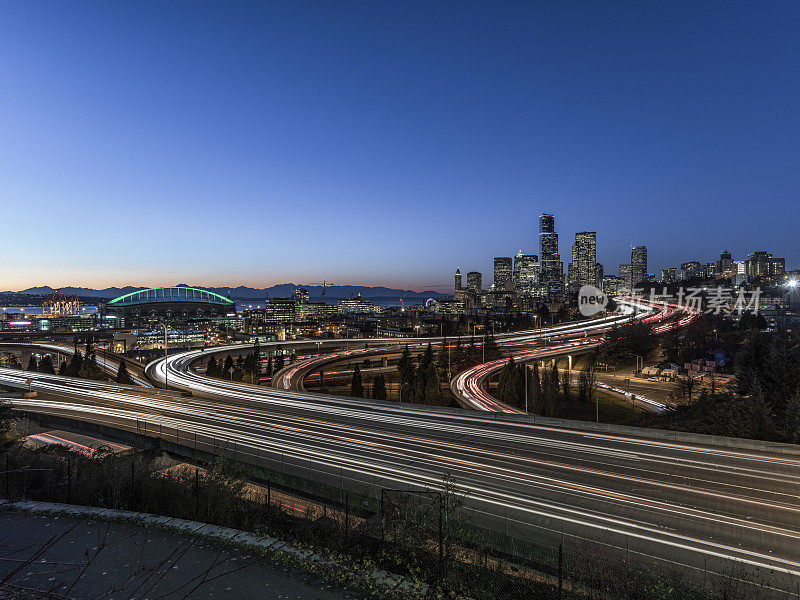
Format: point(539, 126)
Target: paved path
point(74, 557)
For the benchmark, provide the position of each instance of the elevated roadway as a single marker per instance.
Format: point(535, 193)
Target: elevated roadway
point(470, 386)
point(691, 504)
point(107, 361)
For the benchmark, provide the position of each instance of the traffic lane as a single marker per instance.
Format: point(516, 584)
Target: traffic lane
point(703, 533)
point(124, 398)
point(324, 403)
point(460, 454)
point(719, 456)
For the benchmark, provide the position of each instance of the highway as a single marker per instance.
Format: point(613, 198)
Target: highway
point(685, 504)
point(291, 378)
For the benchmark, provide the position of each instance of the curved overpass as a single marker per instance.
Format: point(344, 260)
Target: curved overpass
point(107, 361)
point(470, 386)
point(291, 378)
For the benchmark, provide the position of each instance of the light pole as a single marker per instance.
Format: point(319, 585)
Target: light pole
point(526, 389)
point(166, 366)
point(596, 396)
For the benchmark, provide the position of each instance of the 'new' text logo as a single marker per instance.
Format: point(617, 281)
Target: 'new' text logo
point(591, 300)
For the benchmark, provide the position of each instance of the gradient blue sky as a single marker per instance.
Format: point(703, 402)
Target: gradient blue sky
point(388, 142)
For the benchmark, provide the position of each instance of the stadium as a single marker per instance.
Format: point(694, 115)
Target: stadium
point(178, 303)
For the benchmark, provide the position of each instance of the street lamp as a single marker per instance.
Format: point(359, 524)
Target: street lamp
point(638, 358)
point(526, 389)
point(166, 366)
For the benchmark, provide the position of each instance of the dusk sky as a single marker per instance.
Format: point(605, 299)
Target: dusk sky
point(151, 143)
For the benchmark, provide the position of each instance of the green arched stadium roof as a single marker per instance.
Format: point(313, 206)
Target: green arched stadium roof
point(171, 294)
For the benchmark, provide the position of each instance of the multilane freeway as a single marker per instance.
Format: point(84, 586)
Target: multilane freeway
point(703, 504)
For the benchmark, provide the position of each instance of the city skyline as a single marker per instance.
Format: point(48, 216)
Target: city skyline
point(137, 154)
point(445, 287)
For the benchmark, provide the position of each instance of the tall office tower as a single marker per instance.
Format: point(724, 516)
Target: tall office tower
point(457, 285)
point(725, 264)
point(474, 282)
point(502, 273)
point(552, 271)
point(526, 273)
point(584, 259)
point(625, 276)
point(638, 264)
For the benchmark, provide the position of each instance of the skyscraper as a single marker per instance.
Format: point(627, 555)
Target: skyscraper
point(526, 273)
point(552, 274)
point(625, 276)
point(502, 273)
point(583, 270)
point(725, 264)
point(457, 284)
point(474, 282)
point(638, 264)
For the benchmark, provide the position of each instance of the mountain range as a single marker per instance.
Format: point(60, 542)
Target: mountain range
point(332, 292)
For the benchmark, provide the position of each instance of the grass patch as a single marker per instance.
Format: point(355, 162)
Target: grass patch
point(612, 409)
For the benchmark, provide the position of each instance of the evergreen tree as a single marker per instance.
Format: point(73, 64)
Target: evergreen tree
point(46, 365)
point(754, 363)
point(793, 418)
point(427, 357)
point(442, 357)
point(426, 384)
point(550, 392)
point(90, 369)
point(63, 368)
point(227, 369)
point(280, 362)
point(379, 387)
point(212, 368)
point(491, 350)
point(254, 366)
point(269, 366)
point(75, 364)
point(535, 390)
point(760, 420)
point(32, 364)
point(8, 433)
point(356, 383)
point(566, 387)
point(407, 376)
point(122, 374)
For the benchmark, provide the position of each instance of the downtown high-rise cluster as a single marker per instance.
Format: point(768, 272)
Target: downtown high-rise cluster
point(527, 279)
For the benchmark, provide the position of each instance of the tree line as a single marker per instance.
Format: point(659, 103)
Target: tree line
point(762, 402)
point(546, 388)
point(246, 368)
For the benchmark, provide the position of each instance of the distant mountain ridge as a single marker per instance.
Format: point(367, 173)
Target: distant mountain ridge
point(332, 292)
